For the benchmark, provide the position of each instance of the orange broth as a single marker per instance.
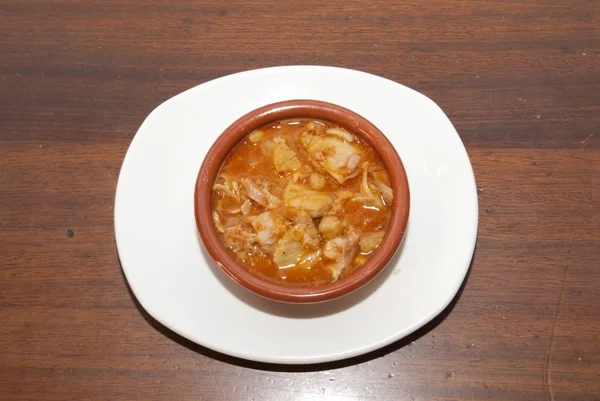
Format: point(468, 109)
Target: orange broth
point(250, 174)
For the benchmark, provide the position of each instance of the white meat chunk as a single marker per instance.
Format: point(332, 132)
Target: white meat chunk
point(272, 200)
point(369, 242)
point(379, 179)
point(246, 207)
point(231, 222)
point(239, 238)
point(386, 192)
point(332, 154)
point(260, 194)
point(341, 197)
point(268, 226)
point(284, 159)
point(217, 220)
point(340, 133)
point(305, 231)
point(227, 187)
point(340, 250)
point(300, 246)
point(369, 194)
point(253, 191)
point(310, 259)
point(301, 197)
point(288, 252)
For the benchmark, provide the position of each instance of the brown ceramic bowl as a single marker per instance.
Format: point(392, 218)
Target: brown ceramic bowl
point(279, 291)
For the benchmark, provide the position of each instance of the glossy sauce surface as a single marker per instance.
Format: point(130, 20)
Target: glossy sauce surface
point(302, 201)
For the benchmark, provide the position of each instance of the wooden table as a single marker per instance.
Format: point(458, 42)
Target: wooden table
point(519, 79)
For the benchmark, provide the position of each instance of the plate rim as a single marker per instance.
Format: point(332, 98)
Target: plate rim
point(311, 359)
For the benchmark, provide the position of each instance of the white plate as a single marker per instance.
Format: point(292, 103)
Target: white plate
point(177, 283)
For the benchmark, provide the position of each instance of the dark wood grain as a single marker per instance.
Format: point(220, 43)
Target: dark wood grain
point(519, 79)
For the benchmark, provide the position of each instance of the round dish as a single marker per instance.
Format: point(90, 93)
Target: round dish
point(177, 282)
point(281, 291)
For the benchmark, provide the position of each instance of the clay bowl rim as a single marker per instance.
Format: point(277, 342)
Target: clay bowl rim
point(301, 108)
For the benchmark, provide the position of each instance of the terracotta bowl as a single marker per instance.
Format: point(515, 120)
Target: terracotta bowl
point(281, 291)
